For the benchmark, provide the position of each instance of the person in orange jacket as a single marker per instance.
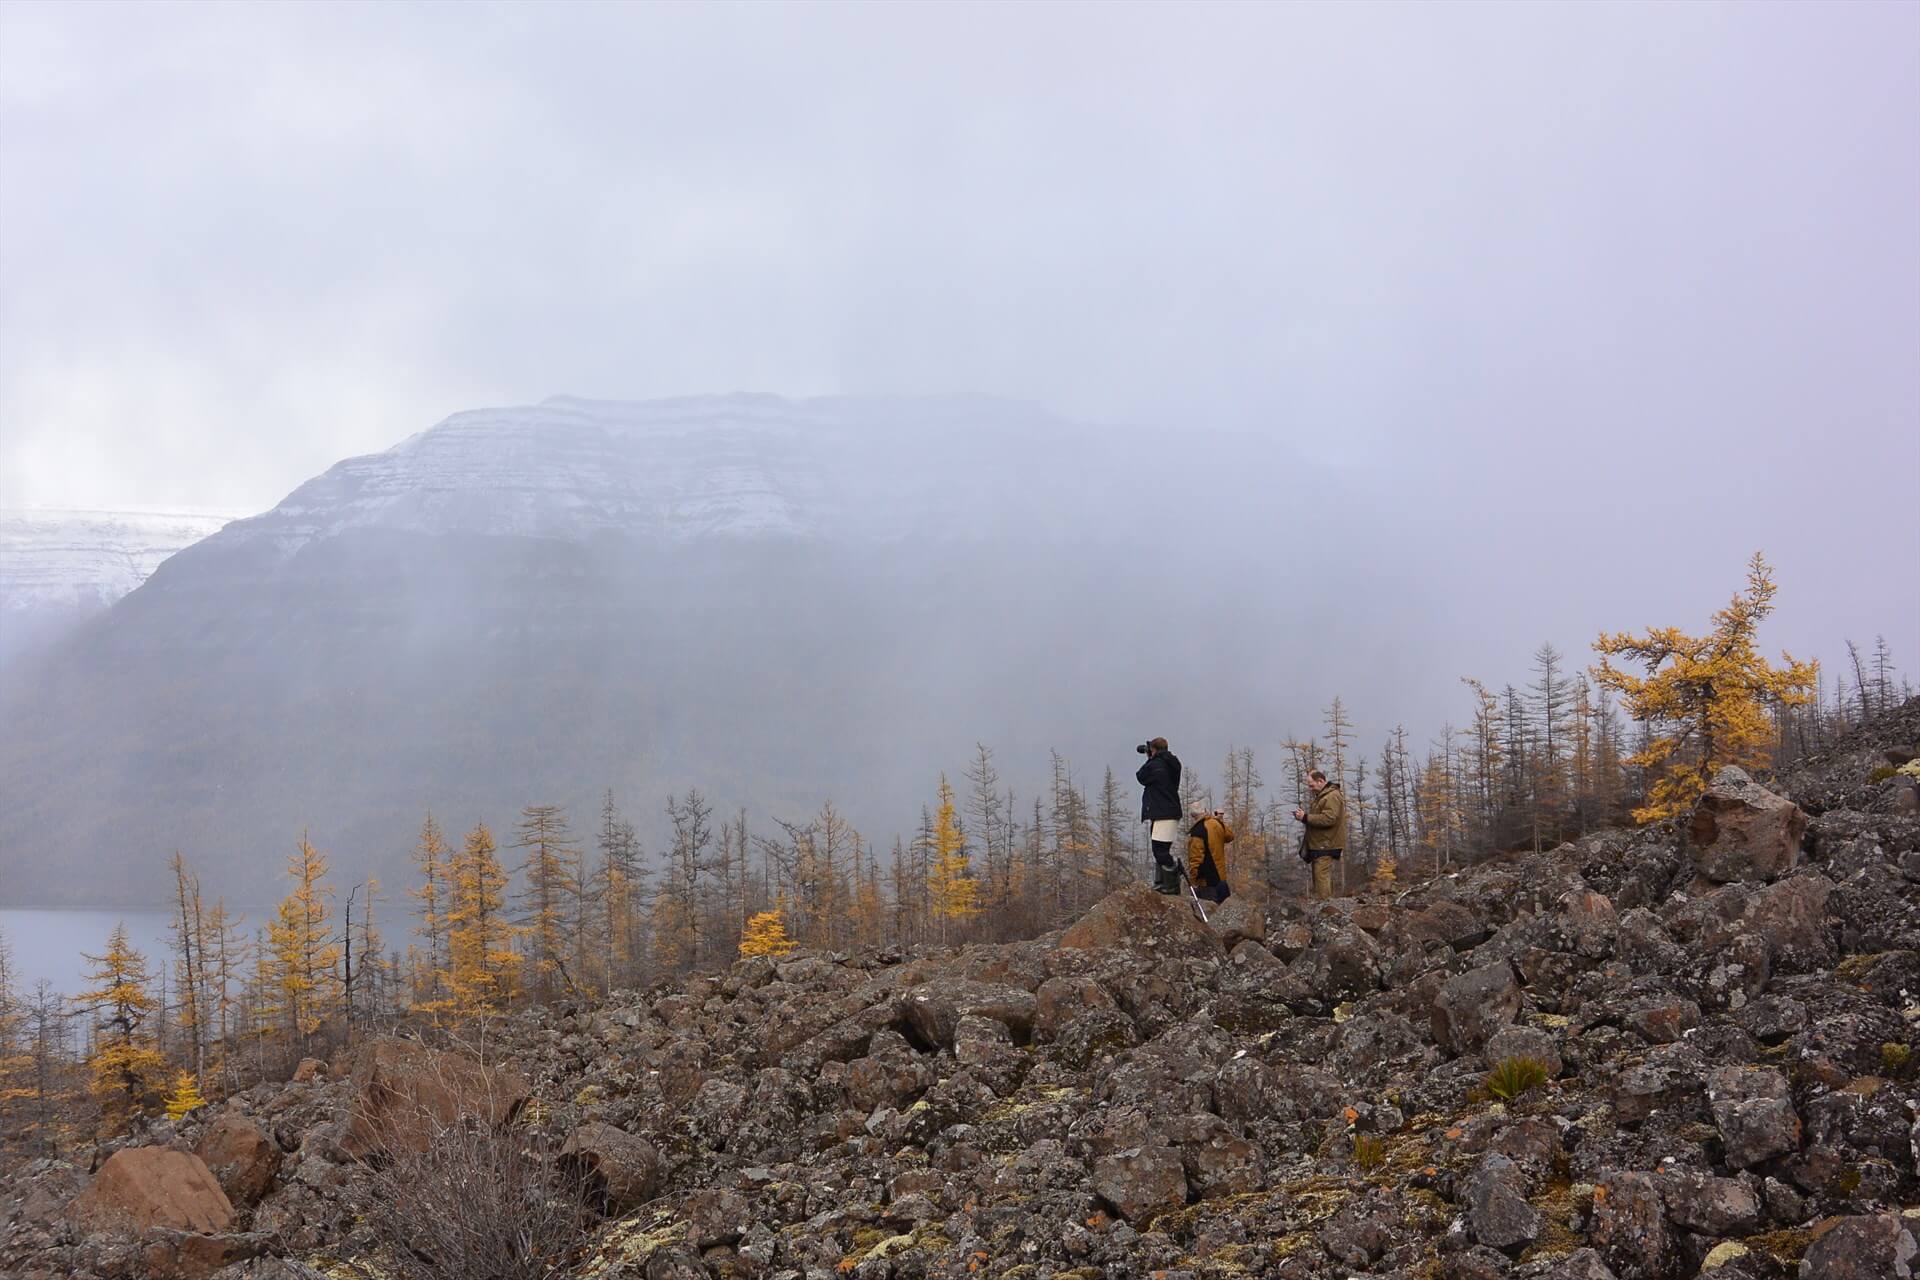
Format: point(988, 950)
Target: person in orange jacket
point(1207, 843)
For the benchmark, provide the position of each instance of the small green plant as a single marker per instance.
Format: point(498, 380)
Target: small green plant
point(1369, 1152)
point(1512, 1077)
point(1881, 773)
point(1894, 1057)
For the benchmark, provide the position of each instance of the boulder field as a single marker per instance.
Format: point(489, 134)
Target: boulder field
point(1685, 1049)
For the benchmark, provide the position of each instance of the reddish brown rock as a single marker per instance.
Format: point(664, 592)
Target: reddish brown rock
point(406, 1092)
point(310, 1069)
point(185, 1255)
point(624, 1169)
point(1138, 917)
point(243, 1158)
point(142, 1187)
point(1061, 1000)
point(1742, 831)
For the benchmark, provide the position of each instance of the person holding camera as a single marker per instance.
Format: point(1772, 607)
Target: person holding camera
point(1325, 837)
point(1207, 843)
point(1159, 780)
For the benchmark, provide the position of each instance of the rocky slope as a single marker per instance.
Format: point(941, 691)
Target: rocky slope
point(1724, 1013)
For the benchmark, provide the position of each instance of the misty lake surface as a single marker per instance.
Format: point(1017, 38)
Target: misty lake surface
point(52, 944)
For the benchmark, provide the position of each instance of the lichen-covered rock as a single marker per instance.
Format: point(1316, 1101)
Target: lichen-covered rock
point(1742, 831)
point(1709, 1206)
point(934, 1009)
point(1630, 1227)
point(1471, 1007)
point(1792, 916)
point(1344, 963)
point(1881, 1246)
point(1754, 1111)
point(1516, 1041)
point(1060, 1000)
point(1141, 1182)
point(1238, 919)
point(1497, 1208)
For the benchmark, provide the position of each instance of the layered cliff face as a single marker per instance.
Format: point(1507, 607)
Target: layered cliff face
point(58, 567)
point(780, 602)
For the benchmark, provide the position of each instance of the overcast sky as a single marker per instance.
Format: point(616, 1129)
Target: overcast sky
point(1599, 264)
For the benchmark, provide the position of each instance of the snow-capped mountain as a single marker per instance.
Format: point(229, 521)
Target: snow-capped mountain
point(76, 559)
point(779, 602)
point(730, 467)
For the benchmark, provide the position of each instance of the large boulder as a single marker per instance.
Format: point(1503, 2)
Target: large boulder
point(1753, 1108)
point(1742, 831)
point(1448, 922)
point(1709, 1206)
point(1473, 1005)
point(405, 1093)
point(1880, 1246)
point(1792, 917)
point(1137, 917)
point(1344, 962)
point(1497, 1208)
point(1630, 1227)
point(241, 1156)
point(1141, 1182)
point(1063, 999)
point(1239, 919)
point(143, 1187)
point(933, 1009)
point(625, 1171)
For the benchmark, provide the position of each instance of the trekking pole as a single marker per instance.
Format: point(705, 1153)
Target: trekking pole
point(1195, 895)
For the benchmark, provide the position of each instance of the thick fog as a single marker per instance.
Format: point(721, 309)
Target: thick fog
point(1513, 322)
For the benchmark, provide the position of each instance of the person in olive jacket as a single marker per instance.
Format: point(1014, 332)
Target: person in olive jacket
point(1159, 780)
point(1326, 834)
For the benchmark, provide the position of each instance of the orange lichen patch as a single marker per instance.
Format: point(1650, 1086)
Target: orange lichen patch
point(1456, 1133)
point(1351, 1115)
point(1098, 1220)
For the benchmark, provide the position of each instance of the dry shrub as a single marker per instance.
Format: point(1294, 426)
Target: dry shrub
point(478, 1203)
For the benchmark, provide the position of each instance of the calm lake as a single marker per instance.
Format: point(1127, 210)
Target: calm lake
point(52, 944)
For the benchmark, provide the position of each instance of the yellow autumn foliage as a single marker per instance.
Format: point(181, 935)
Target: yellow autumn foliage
point(1706, 698)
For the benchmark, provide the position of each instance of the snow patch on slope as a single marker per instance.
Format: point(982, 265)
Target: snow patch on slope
point(64, 559)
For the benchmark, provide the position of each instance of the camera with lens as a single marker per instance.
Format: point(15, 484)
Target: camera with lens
point(1143, 748)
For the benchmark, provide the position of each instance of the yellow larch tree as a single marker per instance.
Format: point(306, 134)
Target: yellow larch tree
point(766, 932)
point(185, 1096)
point(304, 957)
point(125, 1069)
point(16, 1064)
point(431, 855)
point(479, 936)
point(954, 893)
point(1704, 698)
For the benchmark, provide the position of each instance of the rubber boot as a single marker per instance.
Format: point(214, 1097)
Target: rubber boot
point(1166, 879)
